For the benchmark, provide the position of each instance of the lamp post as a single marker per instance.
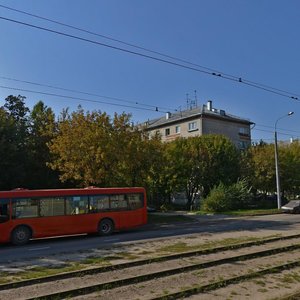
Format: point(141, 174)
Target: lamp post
point(276, 161)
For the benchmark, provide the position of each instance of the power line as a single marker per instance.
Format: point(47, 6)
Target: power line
point(106, 45)
point(77, 98)
point(268, 126)
point(220, 75)
point(264, 87)
point(269, 131)
point(113, 39)
point(87, 93)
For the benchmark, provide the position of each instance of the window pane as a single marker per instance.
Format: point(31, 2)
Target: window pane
point(135, 201)
point(76, 205)
point(118, 202)
point(52, 207)
point(192, 125)
point(4, 210)
point(99, 203)
point(25, 208)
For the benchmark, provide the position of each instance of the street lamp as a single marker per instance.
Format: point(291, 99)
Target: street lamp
point(276, 161)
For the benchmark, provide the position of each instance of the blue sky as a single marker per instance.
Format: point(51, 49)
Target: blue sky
point(256, 40)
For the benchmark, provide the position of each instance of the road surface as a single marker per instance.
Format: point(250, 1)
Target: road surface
point(201, 224)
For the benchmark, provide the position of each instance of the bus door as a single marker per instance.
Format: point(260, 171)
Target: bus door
point(77, 218)
point(4, 220)
point(134, 214)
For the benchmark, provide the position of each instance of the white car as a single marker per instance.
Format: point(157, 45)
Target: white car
point(292, 207)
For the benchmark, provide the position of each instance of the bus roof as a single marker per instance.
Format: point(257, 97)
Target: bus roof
point(18, 193)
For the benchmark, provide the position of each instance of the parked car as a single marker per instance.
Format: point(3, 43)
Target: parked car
point(292, 207)
point(150, 209)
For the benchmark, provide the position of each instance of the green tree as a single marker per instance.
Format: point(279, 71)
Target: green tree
point(260, 165)
point(262, 160)
point(197, 164)
point(14, 143)
point(42, 130)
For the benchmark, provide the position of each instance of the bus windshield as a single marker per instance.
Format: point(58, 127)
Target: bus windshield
point(4, 210)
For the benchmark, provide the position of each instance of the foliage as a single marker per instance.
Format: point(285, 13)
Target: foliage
point(259, 168)
point(223, 198)
point(197, 164)
point(14, 136)
point(42, 130)
point(92, 149)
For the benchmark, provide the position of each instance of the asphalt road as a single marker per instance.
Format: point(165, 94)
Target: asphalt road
point(202, 224)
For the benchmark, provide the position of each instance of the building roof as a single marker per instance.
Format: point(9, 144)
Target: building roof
point(194, 113)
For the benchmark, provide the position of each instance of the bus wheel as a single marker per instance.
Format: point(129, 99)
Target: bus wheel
point(106, 227)
point(21, 235)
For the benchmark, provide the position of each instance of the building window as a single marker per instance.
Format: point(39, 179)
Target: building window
point(177, 129)
point(193, 126)
point(244, 131)
point(167, 131)
point(243, 145)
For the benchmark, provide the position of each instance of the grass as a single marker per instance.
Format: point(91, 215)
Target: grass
point(246, 212)
point(291, 278)
point(184, 247)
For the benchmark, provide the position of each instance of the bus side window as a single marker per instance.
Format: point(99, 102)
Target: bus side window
point(77, 205)
point(99, 203)
point(25, 208)
point(135, 201)
point(4, 211)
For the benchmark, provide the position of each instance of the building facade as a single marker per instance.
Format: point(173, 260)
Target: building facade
point(199, 121)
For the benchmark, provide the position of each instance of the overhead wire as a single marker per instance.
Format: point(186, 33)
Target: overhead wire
point(78, 98)
point(220, 75)
point(267, 88)
point(112, 39)
point(157, 108)
point(279, 132)
point(268, 126)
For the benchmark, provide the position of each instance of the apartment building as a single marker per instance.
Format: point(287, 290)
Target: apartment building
point(202, 120)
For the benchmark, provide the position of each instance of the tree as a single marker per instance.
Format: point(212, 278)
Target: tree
point(261, 162)
point(42, 130)
point(197, 164)
point(14, 142)
point(92, 149)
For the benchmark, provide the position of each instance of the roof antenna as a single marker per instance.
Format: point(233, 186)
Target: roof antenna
point(196, 100)
point(187, 101)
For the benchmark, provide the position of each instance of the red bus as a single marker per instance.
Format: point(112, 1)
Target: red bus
point(30, 214)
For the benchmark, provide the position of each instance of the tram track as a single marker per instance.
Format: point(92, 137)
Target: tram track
point(135, 279)
point(103, 269)
point(176, 271)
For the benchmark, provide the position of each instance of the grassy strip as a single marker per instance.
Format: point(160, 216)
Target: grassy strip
point(245, 212)
point(103, 269)
point(290, 297)
point(226, 282)
point(160, 274)
point(253, 212)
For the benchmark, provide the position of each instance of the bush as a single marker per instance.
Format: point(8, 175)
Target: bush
point(224, 198)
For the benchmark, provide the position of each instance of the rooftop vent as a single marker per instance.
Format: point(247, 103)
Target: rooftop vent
point(168, 115)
